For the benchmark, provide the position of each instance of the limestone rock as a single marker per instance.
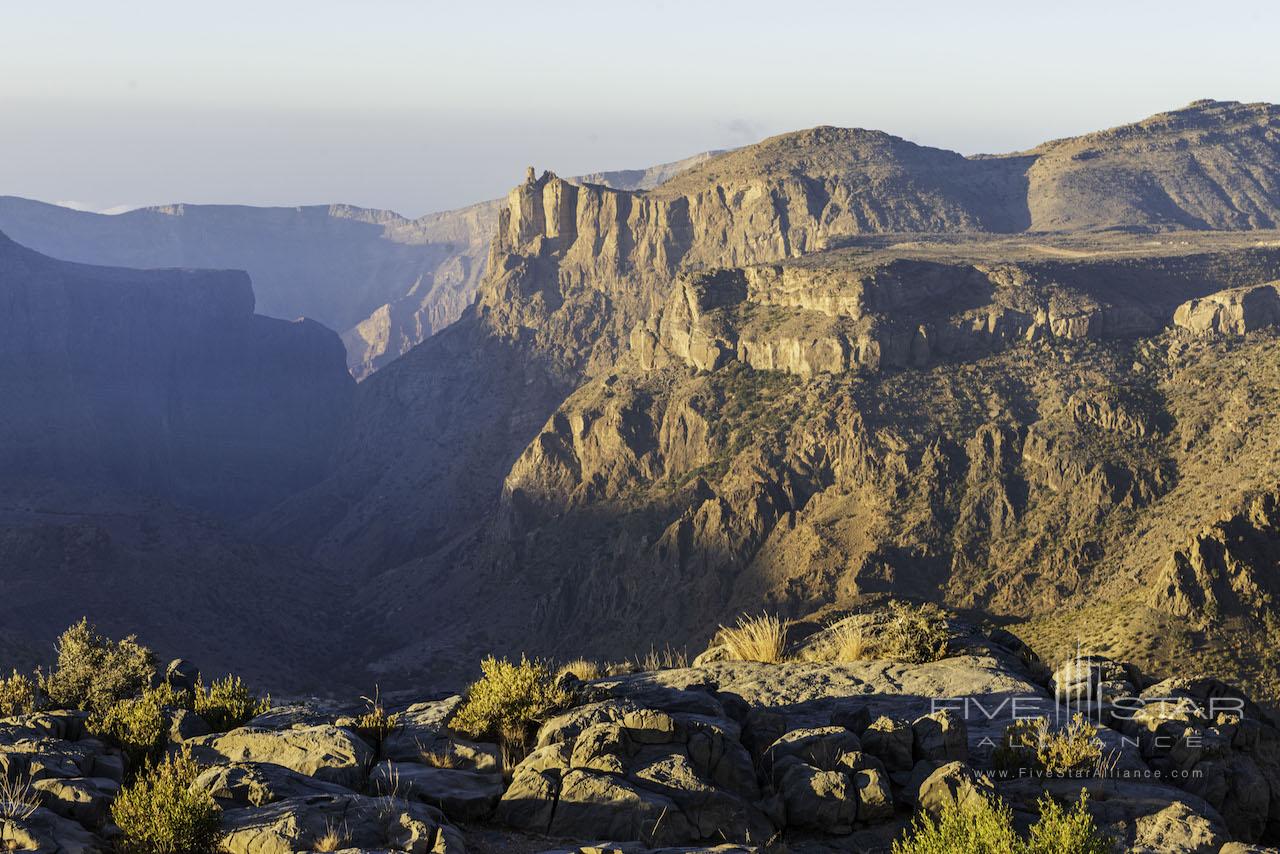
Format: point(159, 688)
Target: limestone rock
point(1231, 312)
point(86, 800)
point(941, 736)
point(287, 826)
point(324, 752)
point(44, 831)
point(953, 783)
point(460, 794)
point(244, 784)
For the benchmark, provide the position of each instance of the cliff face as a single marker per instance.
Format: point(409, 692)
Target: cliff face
point(162, 382)
point(665, 407)
point(880, 311)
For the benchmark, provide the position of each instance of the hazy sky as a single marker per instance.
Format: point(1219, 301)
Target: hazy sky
point(420, 106)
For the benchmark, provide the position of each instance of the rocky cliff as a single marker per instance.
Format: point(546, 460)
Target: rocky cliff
point(162, 382)
point(740, 388)
point(385, 281)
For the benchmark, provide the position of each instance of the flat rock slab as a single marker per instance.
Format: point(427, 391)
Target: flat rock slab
point(325, 752)
point(461, 794)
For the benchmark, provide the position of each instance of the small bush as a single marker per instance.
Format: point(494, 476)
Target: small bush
point(509, 700)
point(18, 695)
point(227, 704)
point(987, 828)
point(140, 725)
point(983, 829)
point(160, 813)
point(1072, 750)
point(762, 638)
point(1061, 832)
point(94, 672)
point(582, 669)
point(916, 634)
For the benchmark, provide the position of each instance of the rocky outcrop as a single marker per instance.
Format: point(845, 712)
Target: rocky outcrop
point(809, 751)
point(1227, 569)
point(1232, 312)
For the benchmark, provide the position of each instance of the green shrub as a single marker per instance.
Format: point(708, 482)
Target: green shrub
point(94, 672)
point(227, 704)
point(987, 828)
point(140, 725)
point(1061, 832)
point(18, 695)
point(916, 634)
point(983, 829)
point(1071, 750)
point(160, 813)
point(509, 700)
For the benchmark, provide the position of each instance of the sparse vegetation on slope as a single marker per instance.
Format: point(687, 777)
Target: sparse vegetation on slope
point(508, 700)
point(916, 633)
point(984, 827)
point(19, 695)
point(162, 813)
point(94, 672)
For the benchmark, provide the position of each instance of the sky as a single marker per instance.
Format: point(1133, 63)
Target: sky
point(420, 106)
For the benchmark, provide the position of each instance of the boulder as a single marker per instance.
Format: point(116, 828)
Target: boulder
point(360, 822)
point(1090, 683)
point(1234, 311)
point(827, 748)
point(245, 784)
point(941, 736)
point(325, 752)
point(953, 783)
point(185, 724)
point(86, 800)
point(875, 798)
point(45, 832)
point(460, 794)
point(617, 770)
point(891, 741)
point(182, 675)
point(595, 805)
point(819, 800)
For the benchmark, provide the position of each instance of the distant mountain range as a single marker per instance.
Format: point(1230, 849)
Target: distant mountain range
point(384, 281)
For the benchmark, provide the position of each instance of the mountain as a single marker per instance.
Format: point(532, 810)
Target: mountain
point(145, 412)
point(820, 371)
point(385, 281)
point(832, 366)
point(162, 382)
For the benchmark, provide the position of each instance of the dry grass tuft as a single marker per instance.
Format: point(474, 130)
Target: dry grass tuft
point(440, 758)
point(663, 659)
point(849, 643)
point(762, 638)
point(581, 668)
point(333, 840)
point(917, 634)
point(18, 799)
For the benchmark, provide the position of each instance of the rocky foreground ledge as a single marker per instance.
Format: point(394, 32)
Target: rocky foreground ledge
point(805, 755)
